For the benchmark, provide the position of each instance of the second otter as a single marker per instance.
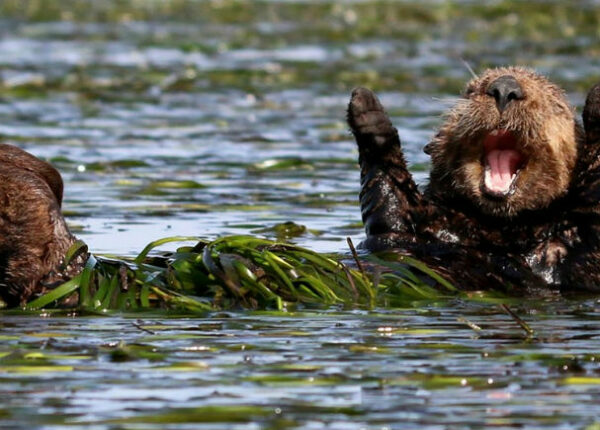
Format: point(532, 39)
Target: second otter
point(514, 192)
point(34, 236)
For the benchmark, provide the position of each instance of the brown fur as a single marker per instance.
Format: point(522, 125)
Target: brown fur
point(544, 233)
point(33, 234)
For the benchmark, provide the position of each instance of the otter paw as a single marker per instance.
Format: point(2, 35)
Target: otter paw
point(368, 121)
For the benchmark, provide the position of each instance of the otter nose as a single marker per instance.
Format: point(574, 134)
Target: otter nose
point(505, 89)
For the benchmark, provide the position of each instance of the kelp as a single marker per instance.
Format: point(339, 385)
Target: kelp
point(242, 272)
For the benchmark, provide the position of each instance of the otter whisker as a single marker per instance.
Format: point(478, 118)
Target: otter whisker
point(471, 71)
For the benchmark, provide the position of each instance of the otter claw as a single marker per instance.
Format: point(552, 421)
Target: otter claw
point(368, 120)
point(364, 100)
point(365, 112)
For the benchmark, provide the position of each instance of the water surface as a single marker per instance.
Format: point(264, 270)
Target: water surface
point(454, 366)
point(221, 117)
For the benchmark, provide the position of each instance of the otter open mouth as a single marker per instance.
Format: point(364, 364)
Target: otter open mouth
point(503, 162)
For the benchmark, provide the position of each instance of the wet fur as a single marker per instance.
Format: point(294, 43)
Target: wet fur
point(546, 234)
point(34, 237)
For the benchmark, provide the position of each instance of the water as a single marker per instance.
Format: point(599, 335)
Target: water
point(217, 117)
point(411, 368)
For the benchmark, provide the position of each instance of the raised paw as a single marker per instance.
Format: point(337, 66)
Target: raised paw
point(369, 122)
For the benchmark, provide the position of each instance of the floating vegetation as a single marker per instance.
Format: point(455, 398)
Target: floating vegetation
point(286, 230)
point(117, 164)
point(240, 272)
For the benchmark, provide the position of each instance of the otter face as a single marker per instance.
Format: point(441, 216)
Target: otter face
point(510, 145)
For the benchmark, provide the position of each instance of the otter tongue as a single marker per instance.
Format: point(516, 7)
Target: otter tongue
point(502, 165)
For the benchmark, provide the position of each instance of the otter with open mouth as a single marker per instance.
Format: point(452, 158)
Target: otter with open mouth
point(510, 145)
point(514, 193)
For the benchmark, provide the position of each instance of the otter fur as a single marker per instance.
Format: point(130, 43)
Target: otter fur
point(513, 200)
point(34, 236)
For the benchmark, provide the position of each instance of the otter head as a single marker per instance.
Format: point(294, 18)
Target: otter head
point(509, 145)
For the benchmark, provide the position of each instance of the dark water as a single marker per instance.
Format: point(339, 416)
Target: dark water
point(219, 117)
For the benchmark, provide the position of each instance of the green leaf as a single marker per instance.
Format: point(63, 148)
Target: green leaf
point(56, 294)
point(140, 258)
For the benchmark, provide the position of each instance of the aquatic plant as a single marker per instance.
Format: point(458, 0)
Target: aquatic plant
point(242, 272)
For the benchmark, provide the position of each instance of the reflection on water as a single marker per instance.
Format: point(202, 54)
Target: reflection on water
point(222, 117)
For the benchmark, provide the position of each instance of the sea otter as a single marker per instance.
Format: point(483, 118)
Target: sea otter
point(513, 200)
point(34, 236)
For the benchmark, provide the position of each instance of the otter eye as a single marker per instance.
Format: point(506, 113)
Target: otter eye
point(469, 92)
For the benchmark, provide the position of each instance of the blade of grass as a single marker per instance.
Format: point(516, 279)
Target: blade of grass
point(56, 294)
point(85, 283)
point(140, 258)
point(78, 248)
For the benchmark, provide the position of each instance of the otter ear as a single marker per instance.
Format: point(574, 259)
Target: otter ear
point(591, 115)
